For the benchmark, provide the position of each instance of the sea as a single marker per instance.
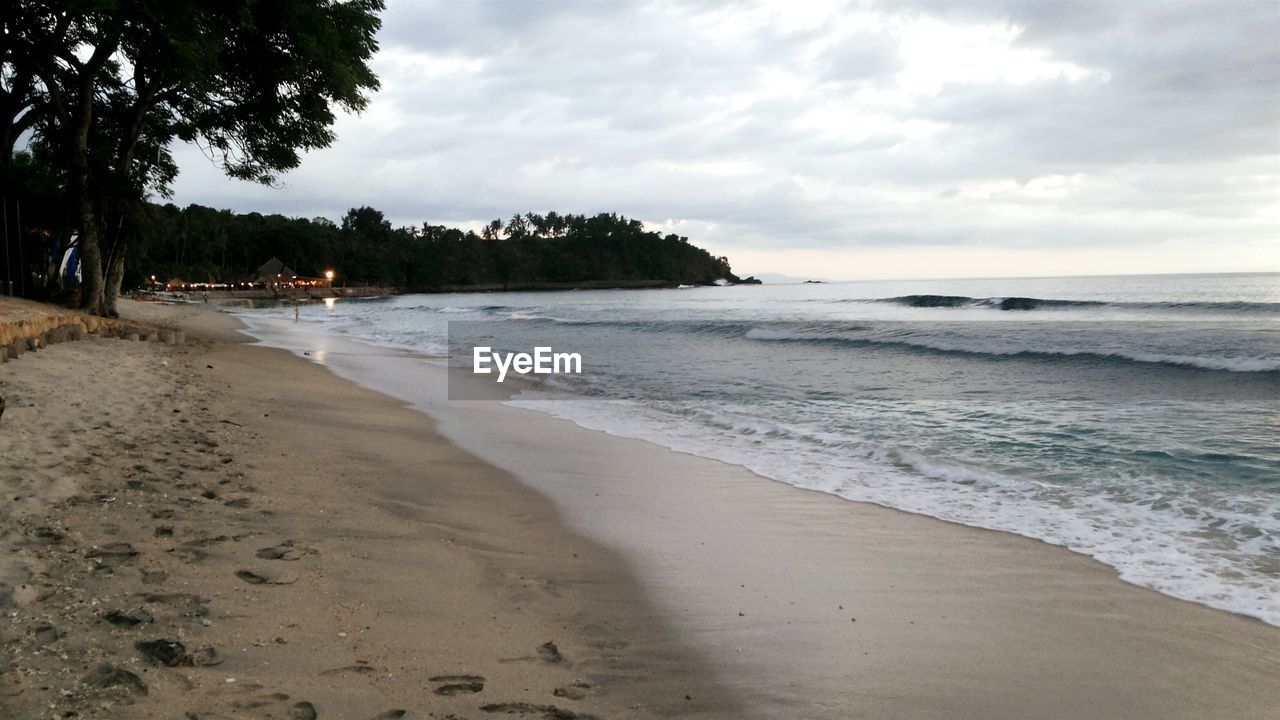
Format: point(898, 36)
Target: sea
point(1133, 419)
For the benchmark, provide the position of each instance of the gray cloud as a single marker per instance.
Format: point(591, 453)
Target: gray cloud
point(1058, 125)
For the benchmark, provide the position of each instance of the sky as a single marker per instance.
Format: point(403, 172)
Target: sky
point(837, 140)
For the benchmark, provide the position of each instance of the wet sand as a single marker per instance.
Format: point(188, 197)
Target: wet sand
point(217, 530)
point(806, 605)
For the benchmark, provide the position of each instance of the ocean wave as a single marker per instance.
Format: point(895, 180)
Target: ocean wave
point(1015, 303)
point(1226, 363)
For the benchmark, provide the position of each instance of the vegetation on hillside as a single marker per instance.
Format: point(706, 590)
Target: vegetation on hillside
point(200, 244)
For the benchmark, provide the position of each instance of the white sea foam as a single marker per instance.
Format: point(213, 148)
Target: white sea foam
point(1165, 550)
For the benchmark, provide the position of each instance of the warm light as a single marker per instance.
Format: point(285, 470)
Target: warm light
point(328, 274)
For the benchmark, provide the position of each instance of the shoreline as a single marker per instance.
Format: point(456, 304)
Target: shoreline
point(1056, 630)
point(313, 546)
point(280, 331)
point(416, 538)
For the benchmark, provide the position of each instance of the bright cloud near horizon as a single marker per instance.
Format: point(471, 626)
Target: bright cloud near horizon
point(840, 140)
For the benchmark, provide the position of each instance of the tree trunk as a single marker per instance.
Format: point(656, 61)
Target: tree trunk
point(115, 276)
point(91, 280)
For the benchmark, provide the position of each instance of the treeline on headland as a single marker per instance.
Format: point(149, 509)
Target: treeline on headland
point(201, 244)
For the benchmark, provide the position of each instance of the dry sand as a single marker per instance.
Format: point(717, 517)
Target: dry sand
point(315, 548)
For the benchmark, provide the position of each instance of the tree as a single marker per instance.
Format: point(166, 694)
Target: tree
point(253, 83)
point(517, 227)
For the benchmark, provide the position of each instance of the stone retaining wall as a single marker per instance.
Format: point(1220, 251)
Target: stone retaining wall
point(48, 325)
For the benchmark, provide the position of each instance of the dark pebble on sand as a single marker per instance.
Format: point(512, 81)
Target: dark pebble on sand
point(302, 711)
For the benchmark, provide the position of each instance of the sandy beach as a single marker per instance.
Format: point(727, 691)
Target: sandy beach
point(316, 549)
point(321, 549)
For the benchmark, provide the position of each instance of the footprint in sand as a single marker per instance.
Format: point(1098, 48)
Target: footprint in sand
point(573, 691)
point(284, 551)
point(550, 712)
point(267, 577)
point(458, 684)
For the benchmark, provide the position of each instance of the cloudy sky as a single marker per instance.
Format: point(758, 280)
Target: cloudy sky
point(827, 139)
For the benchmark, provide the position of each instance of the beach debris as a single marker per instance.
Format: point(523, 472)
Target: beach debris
point(1, 406)
point(302, 711)
point(110, 676)
point(549, 652)
point(170, 653)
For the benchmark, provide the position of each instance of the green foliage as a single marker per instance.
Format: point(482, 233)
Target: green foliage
point(200, 244)
point(108, 85)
